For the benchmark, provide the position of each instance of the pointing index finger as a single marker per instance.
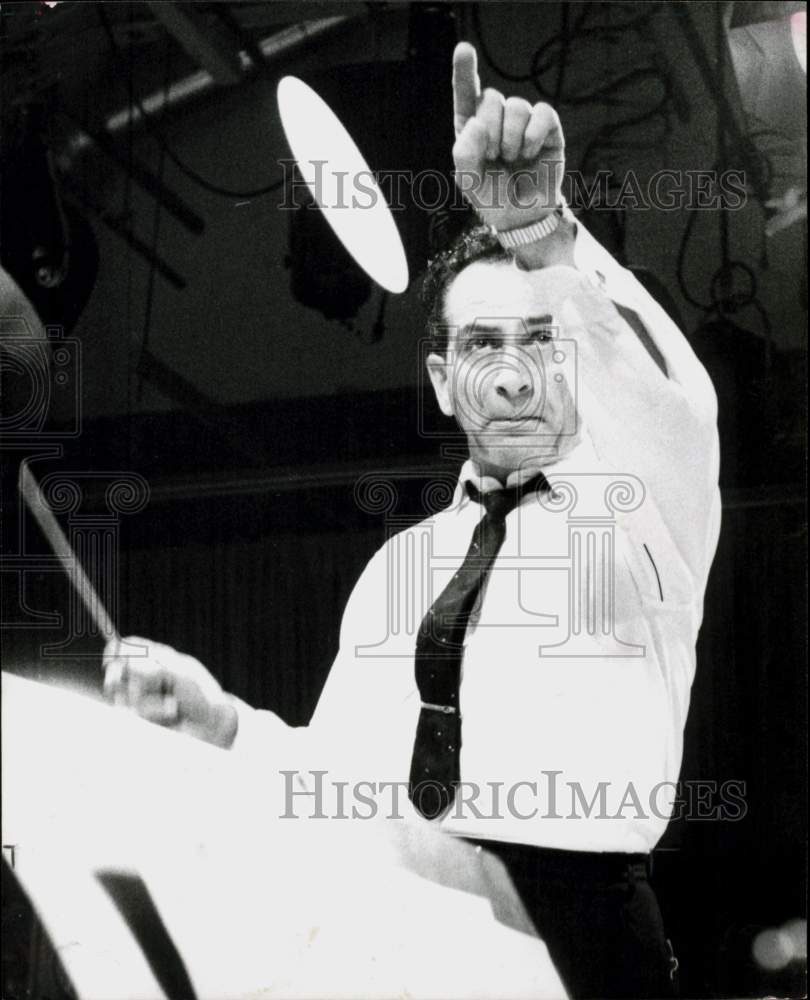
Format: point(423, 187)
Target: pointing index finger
point(466, 84)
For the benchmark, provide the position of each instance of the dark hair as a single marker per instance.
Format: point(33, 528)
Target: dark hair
point(474, 244)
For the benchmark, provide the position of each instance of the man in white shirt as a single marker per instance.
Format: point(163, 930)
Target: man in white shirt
point(562, 731)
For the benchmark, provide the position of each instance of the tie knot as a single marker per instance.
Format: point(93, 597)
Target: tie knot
point(498, 503)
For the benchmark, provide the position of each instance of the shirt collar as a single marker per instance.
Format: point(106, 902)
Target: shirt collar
point(582, 458)
point(470, 473)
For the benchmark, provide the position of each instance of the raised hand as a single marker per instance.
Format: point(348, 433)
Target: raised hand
point(509, 155)
point(168, 688)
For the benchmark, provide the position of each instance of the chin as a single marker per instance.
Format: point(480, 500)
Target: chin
point(512, 455)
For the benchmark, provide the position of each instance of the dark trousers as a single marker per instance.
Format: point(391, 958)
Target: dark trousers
point(599, 918)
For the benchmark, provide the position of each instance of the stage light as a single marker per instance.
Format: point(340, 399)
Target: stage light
point(764, 54)
point(46, 246)
point(776, 947)
point(772, 949)
point(332, 165)
point(768, 47)
point(796, 930)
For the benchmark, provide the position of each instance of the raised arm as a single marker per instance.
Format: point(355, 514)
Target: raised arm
point(644, 398)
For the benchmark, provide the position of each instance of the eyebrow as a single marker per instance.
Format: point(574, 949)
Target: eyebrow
point(530, 321)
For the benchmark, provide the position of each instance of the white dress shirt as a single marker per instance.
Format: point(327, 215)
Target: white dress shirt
point(580, 655)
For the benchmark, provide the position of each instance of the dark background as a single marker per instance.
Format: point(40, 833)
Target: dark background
point(255, 418)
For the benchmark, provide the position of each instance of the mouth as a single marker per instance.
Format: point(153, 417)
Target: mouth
point(514, 422)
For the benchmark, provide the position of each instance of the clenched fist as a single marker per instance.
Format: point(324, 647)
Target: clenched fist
point(509, 155)
point(168, 688)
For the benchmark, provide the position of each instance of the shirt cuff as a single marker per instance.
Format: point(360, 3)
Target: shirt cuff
point(258, 732)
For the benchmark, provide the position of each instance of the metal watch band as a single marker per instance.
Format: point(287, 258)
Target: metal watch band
point(512, 238)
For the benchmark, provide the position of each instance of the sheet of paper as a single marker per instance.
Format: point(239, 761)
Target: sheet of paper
point(256, 905)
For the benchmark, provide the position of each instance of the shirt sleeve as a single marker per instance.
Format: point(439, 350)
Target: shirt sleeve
point(355, 687)
point(365, 675)
point(660, 427)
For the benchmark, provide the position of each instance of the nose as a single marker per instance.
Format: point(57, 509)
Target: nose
point(513, 380)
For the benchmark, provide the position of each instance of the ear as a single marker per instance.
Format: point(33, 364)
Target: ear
point(439, 371)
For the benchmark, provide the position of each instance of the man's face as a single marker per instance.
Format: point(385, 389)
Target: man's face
point(504, 377)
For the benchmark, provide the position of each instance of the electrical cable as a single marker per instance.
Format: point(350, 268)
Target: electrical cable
point(724, 302)
point(553, 55)
point(721, 135)
point(723, 306)
point(150, 281)
point(597, 23)
point(680, 263)
point(127, 214)
point(565, 31)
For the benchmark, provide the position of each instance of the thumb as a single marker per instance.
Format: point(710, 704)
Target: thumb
point(112, 648)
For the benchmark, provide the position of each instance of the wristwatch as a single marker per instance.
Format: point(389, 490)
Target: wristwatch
point(511, 239)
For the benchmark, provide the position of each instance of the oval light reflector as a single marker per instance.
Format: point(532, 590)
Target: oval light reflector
point(329, 162)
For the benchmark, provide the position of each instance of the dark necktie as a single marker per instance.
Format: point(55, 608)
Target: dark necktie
point(435, 769)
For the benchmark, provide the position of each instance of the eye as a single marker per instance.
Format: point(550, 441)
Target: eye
point(481, 342)
point(542, 336)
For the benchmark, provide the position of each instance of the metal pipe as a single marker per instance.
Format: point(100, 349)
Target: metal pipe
point(142, 175)
point(283, 43)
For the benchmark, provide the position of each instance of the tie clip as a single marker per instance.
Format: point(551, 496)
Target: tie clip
point(447, 709)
